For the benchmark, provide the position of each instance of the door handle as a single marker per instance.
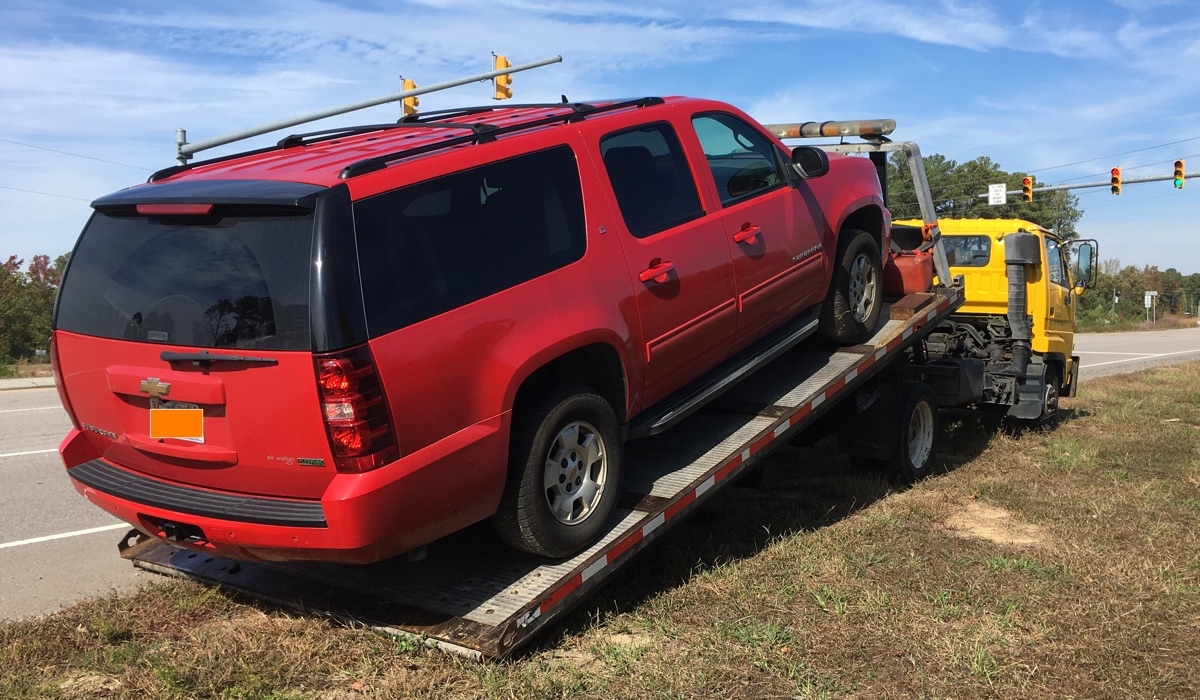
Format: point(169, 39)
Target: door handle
point(748, 234)
point(658, 272)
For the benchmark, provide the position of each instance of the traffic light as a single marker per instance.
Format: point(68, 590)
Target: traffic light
point(503, 83)
point(410, 102)
point(1116, 180)
point(1179, 174)
point(1027, 188)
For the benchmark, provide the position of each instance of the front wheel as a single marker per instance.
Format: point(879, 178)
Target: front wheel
point(564, 473)
point(851, 308)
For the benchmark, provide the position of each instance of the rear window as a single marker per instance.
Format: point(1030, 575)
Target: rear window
point(240, 282)
point(434, 246)
point(969, 251)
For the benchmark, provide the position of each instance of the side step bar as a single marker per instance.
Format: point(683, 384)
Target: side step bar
point(718, 380)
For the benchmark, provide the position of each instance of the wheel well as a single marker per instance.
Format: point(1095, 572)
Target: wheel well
point(597, 367)
point(869, 219)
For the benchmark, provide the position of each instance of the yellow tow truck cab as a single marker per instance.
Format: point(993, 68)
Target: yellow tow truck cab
point(1021, 281)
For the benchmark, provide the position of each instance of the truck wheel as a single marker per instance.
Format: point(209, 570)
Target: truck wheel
point(918, 433)
point(1050, 394)
point(851, 308)
point(564, 474)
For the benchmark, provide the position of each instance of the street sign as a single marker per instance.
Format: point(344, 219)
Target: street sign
point(1150, 298)
point(998, 194)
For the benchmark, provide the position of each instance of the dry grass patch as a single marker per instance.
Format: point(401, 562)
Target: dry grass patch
point(1059, 564)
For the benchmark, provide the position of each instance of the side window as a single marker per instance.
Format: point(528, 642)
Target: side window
point(969, 251)
point(651, 179)
point(437, 245)
point(1056, 269)
point(742, 161)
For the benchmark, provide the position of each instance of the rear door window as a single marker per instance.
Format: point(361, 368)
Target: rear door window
point(437, 245)
point(240, 281)
point(650, 178)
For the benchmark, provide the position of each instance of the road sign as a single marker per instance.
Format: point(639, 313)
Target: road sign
point(1150, 298)
point(998, 194)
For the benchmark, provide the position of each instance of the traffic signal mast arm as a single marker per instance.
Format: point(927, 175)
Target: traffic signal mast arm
point(184, 150)
point(1100, 183)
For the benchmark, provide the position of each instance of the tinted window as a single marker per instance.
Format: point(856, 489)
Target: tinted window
point(650, 177)
point(969, 251)
point(238, 282)
point(434, 246)
point(742, 161)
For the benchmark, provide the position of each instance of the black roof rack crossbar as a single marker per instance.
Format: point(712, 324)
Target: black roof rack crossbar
point(369, 165)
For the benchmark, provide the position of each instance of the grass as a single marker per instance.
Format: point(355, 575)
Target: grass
point(1032, 565)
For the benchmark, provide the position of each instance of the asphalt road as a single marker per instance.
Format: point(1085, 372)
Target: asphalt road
point(1102, 354)
point(56, 548)
point(50, 552)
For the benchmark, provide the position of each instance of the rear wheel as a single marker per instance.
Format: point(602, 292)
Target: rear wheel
point(851, 308)
point(918, 433)
point(564, 473)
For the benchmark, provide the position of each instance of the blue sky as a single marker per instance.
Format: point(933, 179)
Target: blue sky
point(1063, 89)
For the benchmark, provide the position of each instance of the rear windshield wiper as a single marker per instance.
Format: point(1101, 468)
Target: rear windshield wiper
point(204, 358)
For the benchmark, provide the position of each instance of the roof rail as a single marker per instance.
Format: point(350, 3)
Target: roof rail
point(579, 111)
point(185, 150)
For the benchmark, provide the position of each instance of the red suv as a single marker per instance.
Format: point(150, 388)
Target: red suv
point(356, 342)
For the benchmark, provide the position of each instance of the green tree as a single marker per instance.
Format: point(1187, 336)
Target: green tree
point(26, 305)
point(956, 188)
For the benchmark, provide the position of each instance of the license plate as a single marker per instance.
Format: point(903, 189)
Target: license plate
point(177, 420)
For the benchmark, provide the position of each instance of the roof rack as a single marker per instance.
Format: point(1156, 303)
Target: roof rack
point(489, 132)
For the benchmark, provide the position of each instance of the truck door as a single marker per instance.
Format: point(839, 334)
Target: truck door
point(1060, 312)
point(677, 256)
point(771, 234)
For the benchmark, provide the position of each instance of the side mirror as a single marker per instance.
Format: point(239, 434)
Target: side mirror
point(1086, 254)
point(809, 161)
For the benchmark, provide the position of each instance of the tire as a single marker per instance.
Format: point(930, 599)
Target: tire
point(1050, 395)
point(565, 464)
point(919, 428)
point(851, 308)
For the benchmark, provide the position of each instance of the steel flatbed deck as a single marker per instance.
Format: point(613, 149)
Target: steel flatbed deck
point(474, 596)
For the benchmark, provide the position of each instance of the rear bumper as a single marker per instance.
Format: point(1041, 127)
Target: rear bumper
point(361, 518)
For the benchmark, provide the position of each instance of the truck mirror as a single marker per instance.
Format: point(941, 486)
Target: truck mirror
point(1086, 254)
point(809, 161)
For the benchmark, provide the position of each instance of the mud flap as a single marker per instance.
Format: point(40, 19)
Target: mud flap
point(1030, 392)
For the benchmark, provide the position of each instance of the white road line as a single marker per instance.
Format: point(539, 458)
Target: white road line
point(64, 535)
point(19, 410)
point(1102, 352)
point(1148, 356)
point(31, 452)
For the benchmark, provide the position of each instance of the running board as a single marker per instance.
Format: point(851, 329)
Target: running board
point(718, 380)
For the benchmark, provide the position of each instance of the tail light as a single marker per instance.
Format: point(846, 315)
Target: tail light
point(357, 419)
point(58, 381)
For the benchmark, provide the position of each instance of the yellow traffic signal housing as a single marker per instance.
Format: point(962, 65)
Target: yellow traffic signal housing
point(1116, 180)
point(410, 102)
point(503, 83)
point(1027, 188)
point(1179, 174)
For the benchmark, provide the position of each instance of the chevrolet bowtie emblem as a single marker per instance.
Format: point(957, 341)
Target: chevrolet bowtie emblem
point(154, 388)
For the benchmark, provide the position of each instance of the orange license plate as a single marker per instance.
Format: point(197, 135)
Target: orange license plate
point(181, 423)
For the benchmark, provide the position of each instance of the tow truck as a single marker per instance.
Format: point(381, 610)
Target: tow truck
point(470, 595)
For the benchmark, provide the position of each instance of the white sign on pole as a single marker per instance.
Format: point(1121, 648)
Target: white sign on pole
point(1150, 298)
point(997, 194)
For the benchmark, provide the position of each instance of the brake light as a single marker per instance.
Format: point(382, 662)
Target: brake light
point(175, 209)
point(56, 367)
point(357, 419)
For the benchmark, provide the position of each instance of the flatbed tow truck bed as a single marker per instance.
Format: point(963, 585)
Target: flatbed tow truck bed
point(476, 597)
